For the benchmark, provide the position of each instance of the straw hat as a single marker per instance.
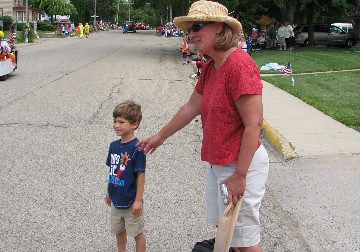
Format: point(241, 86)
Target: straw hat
point(207, 11)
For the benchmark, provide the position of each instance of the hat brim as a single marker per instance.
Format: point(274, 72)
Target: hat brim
point(182, 22)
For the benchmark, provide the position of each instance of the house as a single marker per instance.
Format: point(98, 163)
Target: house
point(17, 10)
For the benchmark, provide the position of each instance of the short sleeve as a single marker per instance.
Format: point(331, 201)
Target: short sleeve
point(139, 163)
point(244, 79)
point(108, 159)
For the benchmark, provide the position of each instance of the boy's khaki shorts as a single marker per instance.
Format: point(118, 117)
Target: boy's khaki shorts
point(124, 220)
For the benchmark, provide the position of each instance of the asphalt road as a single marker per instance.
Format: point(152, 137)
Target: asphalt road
point(55, 128)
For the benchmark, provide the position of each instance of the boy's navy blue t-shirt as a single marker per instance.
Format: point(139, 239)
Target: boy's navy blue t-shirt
point(125, 161)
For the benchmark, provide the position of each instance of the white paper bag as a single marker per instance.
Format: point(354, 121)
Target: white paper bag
point(226, 227)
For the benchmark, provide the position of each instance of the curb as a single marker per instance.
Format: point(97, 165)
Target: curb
point(278, 141)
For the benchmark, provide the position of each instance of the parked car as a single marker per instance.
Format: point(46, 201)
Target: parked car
point(329, 35)
point(140, 26)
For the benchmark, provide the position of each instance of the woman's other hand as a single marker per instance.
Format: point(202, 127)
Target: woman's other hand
point(236, 185)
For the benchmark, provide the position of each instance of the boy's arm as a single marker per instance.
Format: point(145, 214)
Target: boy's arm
point(107, 198)
point(140, 185)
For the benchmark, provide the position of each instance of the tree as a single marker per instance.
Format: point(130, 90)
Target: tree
point(54, 7)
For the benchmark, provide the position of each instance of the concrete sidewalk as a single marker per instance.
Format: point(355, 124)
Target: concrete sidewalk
point(298, 129)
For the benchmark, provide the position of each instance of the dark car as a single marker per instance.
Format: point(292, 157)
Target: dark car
point(329, 35)
point(131, 26)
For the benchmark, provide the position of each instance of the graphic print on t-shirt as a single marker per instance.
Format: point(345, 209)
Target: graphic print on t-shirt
point(118, 164)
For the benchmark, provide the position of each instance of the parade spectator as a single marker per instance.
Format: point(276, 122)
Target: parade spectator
point(289, 36)
point(249, 45)
point(71, 29)
point(281, 36)
point(254, 34)
point(26, 34)
point(242, 42)
point(62, 29)
point(160, 31)
point(185, 51)
point(197, 64)
point(272, 37)
point(228, 96)
point(261, 41)
point(125, 190)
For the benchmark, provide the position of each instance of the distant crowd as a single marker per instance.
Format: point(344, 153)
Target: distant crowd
point(277, 37)
point(168, 30)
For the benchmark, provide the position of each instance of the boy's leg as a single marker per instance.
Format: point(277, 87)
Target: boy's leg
point(194, 67)
point(134, 225)
point(121, 240)
point(140, 243)
point(184, 56)
point(117, 225)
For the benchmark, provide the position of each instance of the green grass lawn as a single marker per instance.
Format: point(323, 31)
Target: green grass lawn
point(307, 60)
point(335, 94)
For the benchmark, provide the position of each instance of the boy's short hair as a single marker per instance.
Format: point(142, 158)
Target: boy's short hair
point(128, 110)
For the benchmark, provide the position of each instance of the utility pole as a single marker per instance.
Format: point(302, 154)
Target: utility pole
point(129, 8)
point(27, 13)
point(95, 14)
point(117, 14)
point(167, 13)
point(171, 15)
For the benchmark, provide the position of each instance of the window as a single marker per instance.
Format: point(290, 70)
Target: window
point(20, 16)
point(334, 29)
point(19, 2)
point(1, 12)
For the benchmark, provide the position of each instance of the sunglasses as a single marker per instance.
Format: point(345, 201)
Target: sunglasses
point(197, 27)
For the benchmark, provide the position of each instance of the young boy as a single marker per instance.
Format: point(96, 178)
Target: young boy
point(185, 51)
point(126, 178)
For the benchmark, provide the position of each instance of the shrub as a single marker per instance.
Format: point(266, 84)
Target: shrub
point(31, 34)
point(44, 26)
point(7, 20)
point(20, 26)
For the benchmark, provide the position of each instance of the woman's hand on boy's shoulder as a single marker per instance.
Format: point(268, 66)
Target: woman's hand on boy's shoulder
point(149, 145)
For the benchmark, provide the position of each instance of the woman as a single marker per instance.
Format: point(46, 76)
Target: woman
point(228, 98)
point(281, 36)
point(242, 42)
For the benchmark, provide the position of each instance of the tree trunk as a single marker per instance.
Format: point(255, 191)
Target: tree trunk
point(288, 10)
point(310, 22)
point(291, 11)
point(171, 15)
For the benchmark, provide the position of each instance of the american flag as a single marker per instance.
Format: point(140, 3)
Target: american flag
point(287, 69)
